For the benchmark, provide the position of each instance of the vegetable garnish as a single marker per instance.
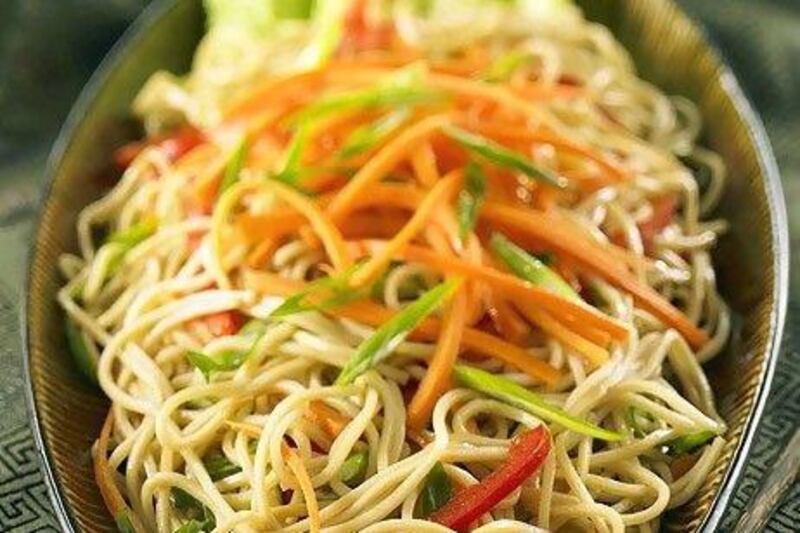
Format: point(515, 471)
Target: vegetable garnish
point(525, 455)
point(290, 169)
point(529, 268)
point(200, 518)
point(506, 65)
point(234, 166)
point(509, 392)
point(219, 466)
point(640, 422)
point(123, 523)
point(437, 491)
point(221, 362)
point(370, 135)
point(388, 336)
point(689, 443)
point(504, 157)
point(83, 358)
point(354, 469)
point(322, 294)
point(470, 199)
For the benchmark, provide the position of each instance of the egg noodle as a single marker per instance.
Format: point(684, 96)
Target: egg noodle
point(275, 294)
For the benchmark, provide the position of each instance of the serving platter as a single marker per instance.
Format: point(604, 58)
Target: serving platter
point(668, 49)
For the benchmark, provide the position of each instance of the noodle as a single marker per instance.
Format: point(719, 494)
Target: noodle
point(244, 429)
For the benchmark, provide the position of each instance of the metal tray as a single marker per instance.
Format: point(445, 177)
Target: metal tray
point(669, 50)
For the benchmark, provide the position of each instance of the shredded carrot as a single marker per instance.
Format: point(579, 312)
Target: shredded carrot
point(515, 287)
point(549, 229)
point(424, 162)
point(374, 314)
point(507, 322)
point(330, 420)
point(331, 237)
point(298, 468)
point(439, 195)
point(593, 353)
point(383, 162)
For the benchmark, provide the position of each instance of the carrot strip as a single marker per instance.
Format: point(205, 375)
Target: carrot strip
point(424, 162)
point(298, 468)
point(330, 420)
point(382, 163)
point(506, 320)
point(437, 378)
point(516, 288)
point(373, 314)
point(331, 237)
point(593, 353)
point(438, 196)
point(549, 228)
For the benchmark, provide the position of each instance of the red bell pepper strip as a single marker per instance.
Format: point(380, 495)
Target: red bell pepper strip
point(174, 146)
point(224, 323)
point(526, 454)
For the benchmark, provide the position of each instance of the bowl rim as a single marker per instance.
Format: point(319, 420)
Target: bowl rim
point(779, 234)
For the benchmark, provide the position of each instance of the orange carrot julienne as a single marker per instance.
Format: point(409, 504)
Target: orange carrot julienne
point(438, 196)
point(547, 228)
point(374, 314)
point(515, 287)
point(593, 353)
point(331, 237)
point(424, 162)
point(437, 377)
point(383, 162)
point(330, 420)
point(507, 321)
point(298, 468)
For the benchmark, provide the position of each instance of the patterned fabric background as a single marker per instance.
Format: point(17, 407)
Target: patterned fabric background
point(48, 48)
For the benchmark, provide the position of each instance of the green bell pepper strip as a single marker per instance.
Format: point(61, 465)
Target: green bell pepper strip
point(437, 491)
point(354, 469)
point(511, 393)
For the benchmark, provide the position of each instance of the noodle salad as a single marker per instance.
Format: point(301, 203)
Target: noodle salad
point(402, 266)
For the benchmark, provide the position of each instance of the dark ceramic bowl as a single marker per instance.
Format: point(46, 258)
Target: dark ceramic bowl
point(669, 50)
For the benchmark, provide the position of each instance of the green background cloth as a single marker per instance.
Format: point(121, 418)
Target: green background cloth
point(48, 48)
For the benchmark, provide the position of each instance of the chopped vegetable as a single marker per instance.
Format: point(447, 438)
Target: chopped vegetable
point(330, 420)
point(322, 294)
point(526, 454)
point(130, 237)
point(470, 199)
point(506, 65)
point(86, 363)
point(509, 392)
point(253, 328)
point(638, 421)
point(124, 524)
point(290, 170)
point(219, 466)
point(200, 517)
point(530, 268)
point(504, 157)
point(388, 336)
point(174, 145)
point(689, 443)
point(437, 491)
point(234, 166)
point(354, 469)
point(223, 323)
point(221, 362)
point(370, 135)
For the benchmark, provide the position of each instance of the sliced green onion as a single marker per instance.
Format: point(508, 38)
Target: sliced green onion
point(511, 393)
point(130, 237)
point(234, 166)
point(370, 135)
point(219, 466)
point(354, 469)
point(689, 443)
point(290, 171)
point(253, 328)
point(529, 268)
point(640, 422)
point(470, 199)
point(387, 337)
point(506, 65)
point(324, 293)
point(221, 362)
point(436, 492)
point(200, 518)
point(378, 96)
point(80, 352)
point(123, 523)
point(504, 157)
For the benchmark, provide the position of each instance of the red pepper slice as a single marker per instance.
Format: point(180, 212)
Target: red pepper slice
point(174, 145)
point(224, 323)
point(526, 454)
